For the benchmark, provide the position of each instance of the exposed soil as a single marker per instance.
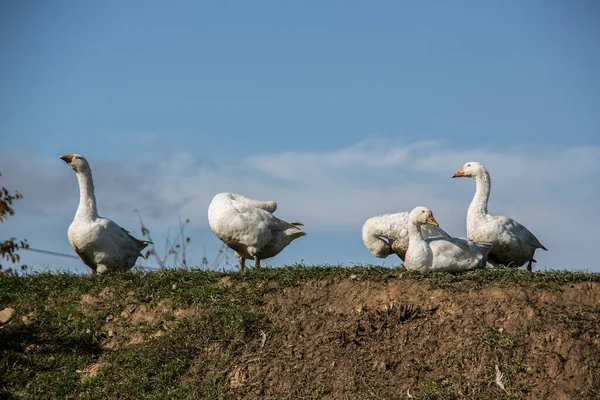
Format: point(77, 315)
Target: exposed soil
point(401, 338)
point(137, 322)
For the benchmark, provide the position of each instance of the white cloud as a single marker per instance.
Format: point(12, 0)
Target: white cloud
point(332, 192)
point(304, 166)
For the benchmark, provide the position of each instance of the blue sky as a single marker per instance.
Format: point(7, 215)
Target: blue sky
point(338, 110)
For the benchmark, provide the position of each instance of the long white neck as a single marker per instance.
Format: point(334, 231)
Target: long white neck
point(371, 232)
point(483, 186)
point(419, 251)
point(414, 232)
point(87, 199)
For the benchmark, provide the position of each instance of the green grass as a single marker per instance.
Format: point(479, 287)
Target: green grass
point(53, 335)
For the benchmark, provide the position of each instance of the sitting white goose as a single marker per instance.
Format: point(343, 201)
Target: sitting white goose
point(101, 244)
point(440, 253)
point(513, 244)
point(249, 228)
point(388, 233)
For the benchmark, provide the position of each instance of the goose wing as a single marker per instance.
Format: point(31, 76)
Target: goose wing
point(121, 239)
point(455, 254)
point(243, 202)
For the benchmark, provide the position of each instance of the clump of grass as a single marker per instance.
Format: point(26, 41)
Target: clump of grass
point(500, 276)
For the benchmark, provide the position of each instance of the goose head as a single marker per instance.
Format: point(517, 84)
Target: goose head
point(469, 170)
point(76, 161)
point(421, 216)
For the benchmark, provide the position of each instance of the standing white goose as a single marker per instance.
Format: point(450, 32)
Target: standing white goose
point(513, 244)
point(101, 244)
point(388, 233)
point(440, 253)
point(249, 228)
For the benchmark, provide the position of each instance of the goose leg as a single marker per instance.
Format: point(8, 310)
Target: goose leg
point(241, 260)
point(531, 261)
point(529, 266)
point(256, 261)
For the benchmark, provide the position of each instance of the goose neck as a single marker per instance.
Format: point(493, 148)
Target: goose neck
point(414, 232)
point(371, 235)
point(419, 255)
point(483, 186)
point(87, 198)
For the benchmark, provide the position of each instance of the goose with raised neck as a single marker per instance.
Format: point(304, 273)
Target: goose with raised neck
point(249, 227)
point(447, 254)
point(388, 234)
point(512, 243)
point(100, 243)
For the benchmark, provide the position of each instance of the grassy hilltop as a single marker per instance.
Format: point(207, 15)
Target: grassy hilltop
point(302, 333)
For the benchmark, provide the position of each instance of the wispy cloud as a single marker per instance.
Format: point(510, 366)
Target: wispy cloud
point(548, 190)
point(308, 166)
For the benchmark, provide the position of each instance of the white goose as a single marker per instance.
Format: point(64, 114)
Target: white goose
point(249, 228)
point(440, 253)
point(388, 233)
point(513, 244)
point(100, 243)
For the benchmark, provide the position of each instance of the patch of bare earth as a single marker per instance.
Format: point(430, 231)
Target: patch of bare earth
point(91, 370)
point(141, 322)
point(340, 339)
point(137, 322)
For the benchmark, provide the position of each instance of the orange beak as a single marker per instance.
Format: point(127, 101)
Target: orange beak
point(67, 158)
point(432, 221)
point(459, 173)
